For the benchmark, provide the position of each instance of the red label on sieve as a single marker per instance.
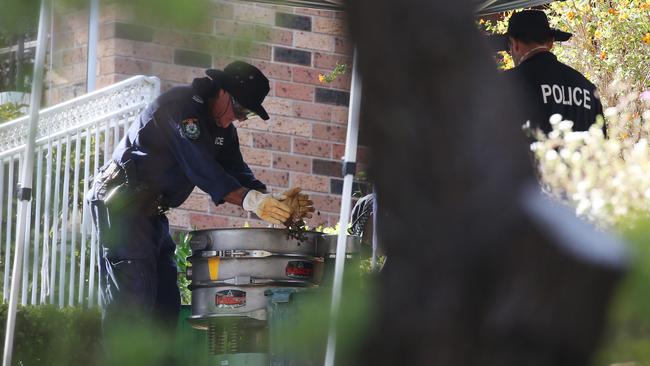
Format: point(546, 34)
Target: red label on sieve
point(300, 269)
point(230, 299)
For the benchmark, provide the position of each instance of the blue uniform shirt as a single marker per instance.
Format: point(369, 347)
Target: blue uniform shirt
point(176, 146)
point(553, 87)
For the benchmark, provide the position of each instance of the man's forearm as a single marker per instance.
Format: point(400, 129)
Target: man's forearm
point(236, 197)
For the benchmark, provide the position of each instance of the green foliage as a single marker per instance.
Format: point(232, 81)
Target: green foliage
point(183, 251)
point(17, 16)
point(10, 111)
point(629, 335)
point(339, 70)
point(47, 335)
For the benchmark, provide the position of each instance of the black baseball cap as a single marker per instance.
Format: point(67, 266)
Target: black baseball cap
point(527, 24)
point(246, 84)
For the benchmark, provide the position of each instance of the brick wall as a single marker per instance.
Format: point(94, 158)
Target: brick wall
point(302, 144)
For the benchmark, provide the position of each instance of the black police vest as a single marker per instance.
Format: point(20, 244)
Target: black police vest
point(552, 87)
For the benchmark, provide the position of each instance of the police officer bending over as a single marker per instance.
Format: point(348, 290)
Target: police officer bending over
point(185, 138)
point(552, 86)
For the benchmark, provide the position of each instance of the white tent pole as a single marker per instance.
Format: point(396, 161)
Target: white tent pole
point(25, 191)
point(93, 31)
point(349, 163)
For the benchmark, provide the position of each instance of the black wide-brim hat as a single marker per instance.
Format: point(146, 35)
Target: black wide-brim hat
point(527, 24)
point(246, 83)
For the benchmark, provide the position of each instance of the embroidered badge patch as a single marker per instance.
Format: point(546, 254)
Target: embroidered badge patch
point(190, 128)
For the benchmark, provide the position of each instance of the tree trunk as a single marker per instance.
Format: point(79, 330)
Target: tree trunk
point(478, 273)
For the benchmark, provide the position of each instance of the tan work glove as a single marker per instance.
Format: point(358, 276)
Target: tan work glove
point(267, 206)
point(301, 205)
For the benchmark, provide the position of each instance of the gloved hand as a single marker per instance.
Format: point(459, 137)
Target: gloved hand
point(267, 206)
point(301, 205)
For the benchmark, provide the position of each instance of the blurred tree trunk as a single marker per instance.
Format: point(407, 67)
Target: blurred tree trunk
point(473, 277)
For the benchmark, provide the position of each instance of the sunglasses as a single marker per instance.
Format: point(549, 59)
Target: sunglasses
point(241, 113)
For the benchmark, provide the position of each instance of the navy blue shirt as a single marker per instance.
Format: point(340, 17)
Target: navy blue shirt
point(176, 146)
point(553, 87)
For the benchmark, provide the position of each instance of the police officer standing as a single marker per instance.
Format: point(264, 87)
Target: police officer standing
point(184, 139)
point(551, 86)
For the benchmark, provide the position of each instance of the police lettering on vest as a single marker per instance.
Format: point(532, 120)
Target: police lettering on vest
point(566, 95)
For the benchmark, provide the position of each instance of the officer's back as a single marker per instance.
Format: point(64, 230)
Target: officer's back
point(549, 86)
point(555, 88)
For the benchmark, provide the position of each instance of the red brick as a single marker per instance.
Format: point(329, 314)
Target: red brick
point(143, 50)
point(105, 80)
point(340, 115)
point(179, 218)
point(328, 203)
point(116, 11)
point(196, 202)
point(294, 91)
point(251, 222)
point(332, 220)
point(317, 221)
point(74, 55)
point(316, 111)
point(311, 147)
point(274, 71)
point(343, 45)
point(205, 221)
point(277, 106)
point(274, 35)
point(256, 156)
point(341, 15)
point(252, 50)
point(272, 177)
point(245, 137)
point(254, 14)
point(292, 162)
point(63, 40)
point(221, 10)
point(336, 27)
point(310, 182)
point(192, 41)
point(306, 75)
point(80, 37)
point(338, 151)
point(329, 132)
point(224, 27)
point(331, 168)
point(227, 209)
point(328, 61)
point(290, 126)
point(363, 153)
point(177, 73)
point(314, 41)
point(219, 62)
point(254, 123)
point(317, 12)
point(269, 141)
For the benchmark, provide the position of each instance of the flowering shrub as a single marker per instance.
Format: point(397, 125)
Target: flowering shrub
point(606, 180)
point(611, 41)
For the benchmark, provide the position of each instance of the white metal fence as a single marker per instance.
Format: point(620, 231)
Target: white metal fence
point(74, 140)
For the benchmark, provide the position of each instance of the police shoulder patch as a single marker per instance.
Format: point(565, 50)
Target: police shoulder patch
point(190, 128)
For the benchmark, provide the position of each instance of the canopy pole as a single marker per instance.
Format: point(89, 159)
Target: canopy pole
point(375, 242)
point(93, 31)
point(25, 190)
point(350, 160)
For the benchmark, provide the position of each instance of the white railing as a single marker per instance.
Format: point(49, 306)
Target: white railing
point(74, 140)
